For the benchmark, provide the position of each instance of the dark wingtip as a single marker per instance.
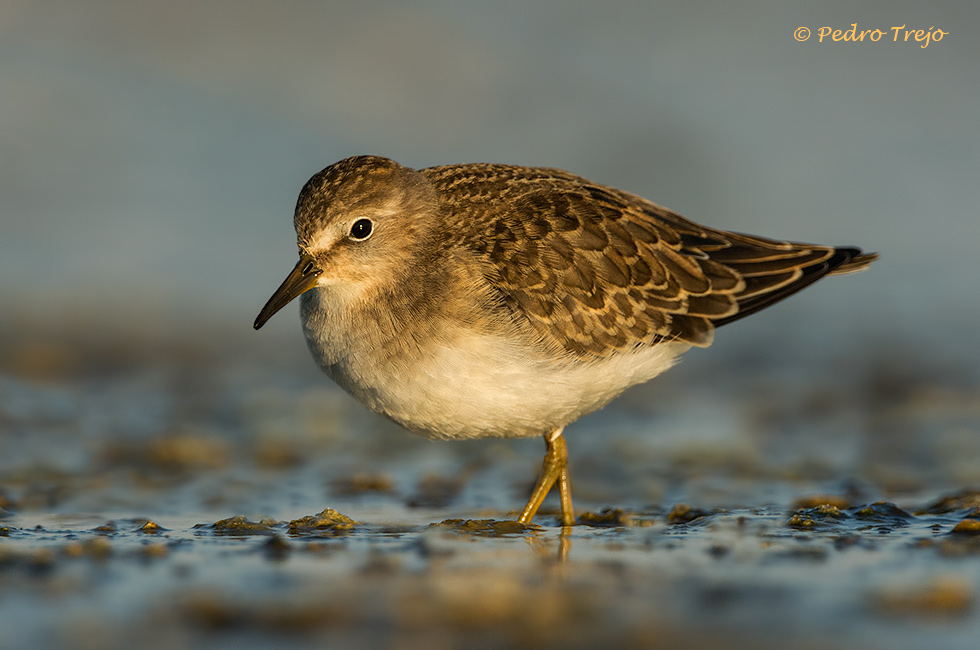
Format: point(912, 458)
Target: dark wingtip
point(844, 259)
point(857, 260)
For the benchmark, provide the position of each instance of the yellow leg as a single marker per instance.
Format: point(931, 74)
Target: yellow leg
point(565, 493)
point(553, 470)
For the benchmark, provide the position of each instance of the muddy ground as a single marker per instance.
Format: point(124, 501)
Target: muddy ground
point(226, 495)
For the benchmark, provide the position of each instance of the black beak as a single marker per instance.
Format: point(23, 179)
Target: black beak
point(300, 280)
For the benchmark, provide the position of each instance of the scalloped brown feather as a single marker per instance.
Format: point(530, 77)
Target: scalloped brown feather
point(596, 270)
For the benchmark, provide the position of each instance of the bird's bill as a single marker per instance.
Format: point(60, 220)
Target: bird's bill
point(300, 280)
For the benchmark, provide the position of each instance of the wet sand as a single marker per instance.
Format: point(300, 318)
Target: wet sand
point(227, 495)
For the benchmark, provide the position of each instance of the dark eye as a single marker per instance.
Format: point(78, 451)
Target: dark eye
point(361, 229)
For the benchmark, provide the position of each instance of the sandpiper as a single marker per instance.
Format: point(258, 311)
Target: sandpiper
point(484, 300)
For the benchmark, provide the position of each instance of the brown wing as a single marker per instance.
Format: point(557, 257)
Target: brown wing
point(595, 270)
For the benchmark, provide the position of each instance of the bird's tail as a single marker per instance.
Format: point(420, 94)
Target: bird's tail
point(855, 264)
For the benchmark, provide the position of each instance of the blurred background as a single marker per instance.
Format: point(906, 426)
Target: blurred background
point(150, 158)
point(152, 152)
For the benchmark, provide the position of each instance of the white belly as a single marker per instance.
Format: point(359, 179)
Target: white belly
point(470, 384)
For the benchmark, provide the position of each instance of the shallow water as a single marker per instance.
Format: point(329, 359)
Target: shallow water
point(158, 490)
point(874, 576)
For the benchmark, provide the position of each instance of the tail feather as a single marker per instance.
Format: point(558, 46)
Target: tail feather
point(836, 261)
point(855, 264)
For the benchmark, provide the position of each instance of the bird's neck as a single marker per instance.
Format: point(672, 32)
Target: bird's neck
point(340, 319)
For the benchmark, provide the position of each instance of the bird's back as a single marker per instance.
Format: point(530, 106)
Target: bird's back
point(598, 271)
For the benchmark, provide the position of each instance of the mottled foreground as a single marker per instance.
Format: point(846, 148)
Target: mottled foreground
point(823, 576)
point(167, 495)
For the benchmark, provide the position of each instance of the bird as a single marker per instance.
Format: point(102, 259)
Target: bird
point(489, 300)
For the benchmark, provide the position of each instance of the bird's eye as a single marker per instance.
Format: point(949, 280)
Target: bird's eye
point(361, 229)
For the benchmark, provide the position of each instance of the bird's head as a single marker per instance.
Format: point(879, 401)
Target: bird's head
point(359, 225)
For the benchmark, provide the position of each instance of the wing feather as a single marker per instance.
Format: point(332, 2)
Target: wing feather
point(596, 271)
